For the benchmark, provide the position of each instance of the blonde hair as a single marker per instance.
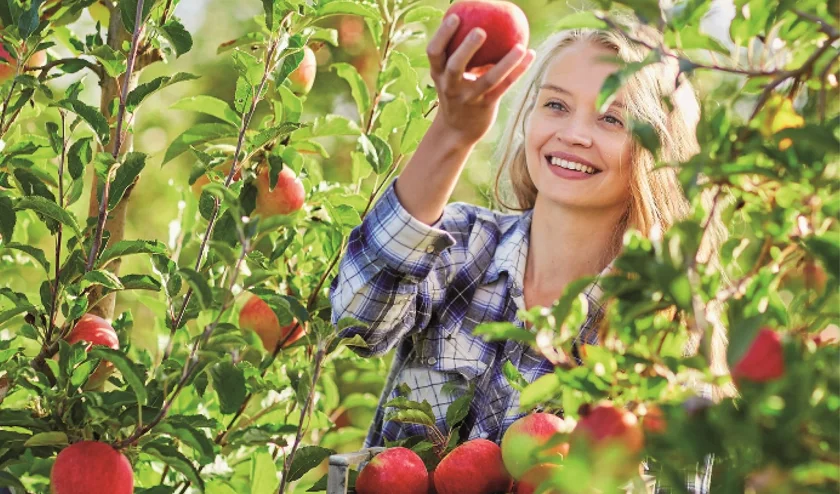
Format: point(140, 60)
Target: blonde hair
point(657, 199)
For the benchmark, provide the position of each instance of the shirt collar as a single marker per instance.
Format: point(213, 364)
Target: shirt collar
point(511, 253)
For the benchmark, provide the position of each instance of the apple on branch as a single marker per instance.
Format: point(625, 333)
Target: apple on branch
point(302, 78)
point(91, 467)
point(286, 197)
point(527, 436)
point(95, 331)
point(257, 316)
point(504, 22)
point(474, 467)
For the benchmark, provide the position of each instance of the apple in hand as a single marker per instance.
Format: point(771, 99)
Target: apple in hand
point(525, 437)
point(95, 331)
point(474, 467)
point(395, 470)
point(504, 22)
point(257, 316)
point(286, 197)
point(91, 467)
point(303, 77)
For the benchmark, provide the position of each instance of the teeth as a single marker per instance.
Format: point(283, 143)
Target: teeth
point(571, 165)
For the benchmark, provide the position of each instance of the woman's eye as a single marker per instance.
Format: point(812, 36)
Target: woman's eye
point(612, 120)
point(555, 105)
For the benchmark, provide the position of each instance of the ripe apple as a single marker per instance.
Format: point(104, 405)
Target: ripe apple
point(474, 467)
point(607, 425)
point(392, 471)
point(535, 476)
point(95, 331)
point(504, 22)
point(91, 467)
point(8, 63)
point(303, 77)
point(257, 316)
point(654, 421)
point(763, 361)
point(286, 197)
point(525, 437)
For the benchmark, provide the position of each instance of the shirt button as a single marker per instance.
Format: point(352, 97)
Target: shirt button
point(484, 435)
point(431, 361)
point(430, 249)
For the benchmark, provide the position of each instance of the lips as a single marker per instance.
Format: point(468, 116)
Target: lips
point(574, 159)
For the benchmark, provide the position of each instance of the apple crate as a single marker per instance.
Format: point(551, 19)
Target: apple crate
point(339, 472)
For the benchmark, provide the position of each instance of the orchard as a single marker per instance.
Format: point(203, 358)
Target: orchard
point(178, 183)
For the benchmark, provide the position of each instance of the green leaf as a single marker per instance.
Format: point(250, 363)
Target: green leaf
point(329, 125)
point(101, 277)
point(140, 282)
point(827, 248)
point(541, 390)
point(563, 306)
point(578, 20)
point(196, 135)
point(458, 410)
point(646, 135)
point(8, 218)
point(9, 480)
point(210, 106)
point(49, 209)
point(741, 338)
point(175, 459)
point(127, 173)
point(201, 289)
point(33, 252)
point(408, 416)
point(403, 403)
point(617, 79)
point(358, 89)
point(28, 21)
point(51, 438)
point(178, 36)
point(92, 116)
point(513, 376)
point(129, 247)
point(347, 7)
point(127, 368)
point(78, 156)
point(229, 383)
point(423, 13)
point(112, 61)
point(273, 133)
point(307, 458)
point(143, 91)
point(264, 472)
point(496, 331)
point(377, 152)
point(128, 11)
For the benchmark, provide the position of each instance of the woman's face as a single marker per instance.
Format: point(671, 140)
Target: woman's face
point(576, 156)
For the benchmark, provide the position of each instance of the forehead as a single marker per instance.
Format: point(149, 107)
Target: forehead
point(580, 69)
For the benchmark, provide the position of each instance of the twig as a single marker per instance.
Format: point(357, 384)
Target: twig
point(825, 27)
point(103, 204)
point(60, 229)
point(44, 69)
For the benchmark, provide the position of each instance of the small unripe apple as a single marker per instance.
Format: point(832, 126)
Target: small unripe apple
point(95, 331)
point(763, 361)
point(474, 467)
point(526, 436)
point(257, 316)
point(100, 13)
point(504, 22)
point(606, 425)
point(91, 467)
point(395, 470)
point(287, 196)
point(303, 77)
point(535, 476)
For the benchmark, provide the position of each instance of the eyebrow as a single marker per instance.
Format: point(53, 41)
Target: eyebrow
point(558, 89)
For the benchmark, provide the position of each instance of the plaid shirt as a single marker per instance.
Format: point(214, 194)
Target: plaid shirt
point(423, 289)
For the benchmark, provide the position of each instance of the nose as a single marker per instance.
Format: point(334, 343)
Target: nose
point(575, 134)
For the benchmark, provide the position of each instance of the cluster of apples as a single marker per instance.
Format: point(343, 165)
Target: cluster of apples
point(480, 466)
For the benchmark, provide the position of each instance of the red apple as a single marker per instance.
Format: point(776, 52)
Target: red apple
point(764, 360)
point(286, 197)
point(95, 331)
point(395, 470)
point(474, 467)
point(303, 77)
point(504, 22)
point(535, 476)
point(654, 421)
point(525, 437)
point(257, 316)
point(606, 425)
point(91, 467)
point(8, 63)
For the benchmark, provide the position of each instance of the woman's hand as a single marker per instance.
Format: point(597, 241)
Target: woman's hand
point(469, 103)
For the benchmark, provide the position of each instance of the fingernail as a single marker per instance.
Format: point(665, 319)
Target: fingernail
point(452, 20)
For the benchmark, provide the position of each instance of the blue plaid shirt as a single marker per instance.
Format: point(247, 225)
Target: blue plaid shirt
point(423, 289)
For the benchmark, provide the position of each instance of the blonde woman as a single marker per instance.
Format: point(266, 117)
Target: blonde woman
point(422, 273)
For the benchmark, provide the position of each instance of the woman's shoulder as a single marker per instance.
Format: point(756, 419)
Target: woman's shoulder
point(464, 216)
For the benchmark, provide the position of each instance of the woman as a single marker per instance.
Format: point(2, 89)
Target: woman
point(422, 274)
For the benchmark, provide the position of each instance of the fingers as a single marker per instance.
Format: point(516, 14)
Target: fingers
point(499, 89)
point(436, 50)
point(456, 66)
point(498, 72)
